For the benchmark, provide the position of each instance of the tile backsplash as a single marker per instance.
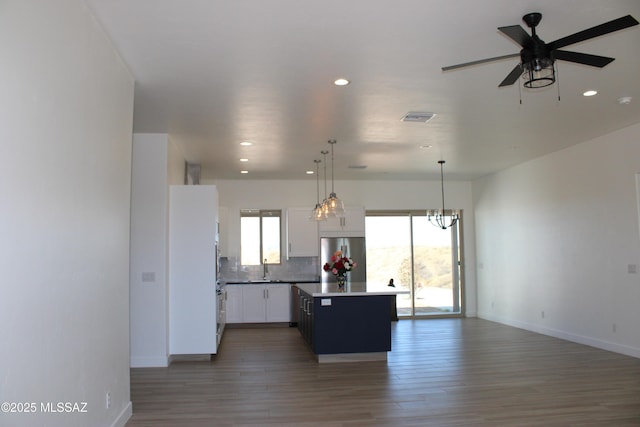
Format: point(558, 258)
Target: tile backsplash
point(293, 269)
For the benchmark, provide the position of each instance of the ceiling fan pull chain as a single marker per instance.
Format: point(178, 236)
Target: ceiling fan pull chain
point(520, 93)
point(557, 80)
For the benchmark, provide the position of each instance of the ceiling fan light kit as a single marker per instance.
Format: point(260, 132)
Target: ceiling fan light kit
point(539, 73)
point(537, 58)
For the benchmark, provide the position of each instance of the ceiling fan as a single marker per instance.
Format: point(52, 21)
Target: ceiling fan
point(537, 57)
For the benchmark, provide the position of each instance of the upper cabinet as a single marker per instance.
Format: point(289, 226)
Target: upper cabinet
point(350, 225)
point(302, 234)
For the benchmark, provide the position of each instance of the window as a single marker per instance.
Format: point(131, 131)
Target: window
point(259, 236)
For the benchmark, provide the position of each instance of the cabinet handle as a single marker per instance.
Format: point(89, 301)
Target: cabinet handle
point(289, 246)
point(267, 292)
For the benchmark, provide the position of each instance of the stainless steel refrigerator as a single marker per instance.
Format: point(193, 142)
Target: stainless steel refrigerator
point(352, 247)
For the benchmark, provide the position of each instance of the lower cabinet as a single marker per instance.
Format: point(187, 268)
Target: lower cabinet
point(234, 303)
point(305, 317)
point(255, 303)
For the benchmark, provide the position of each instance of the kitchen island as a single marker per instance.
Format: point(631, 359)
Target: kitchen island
point(346, 325)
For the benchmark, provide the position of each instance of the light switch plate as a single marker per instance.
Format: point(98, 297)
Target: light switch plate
point(148, 276)
point(325, 301)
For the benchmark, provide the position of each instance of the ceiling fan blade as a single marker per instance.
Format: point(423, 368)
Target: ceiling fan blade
point(480, 61)
point(512, 77)
point(517, 34)
point(582, 58)
point(598, 30)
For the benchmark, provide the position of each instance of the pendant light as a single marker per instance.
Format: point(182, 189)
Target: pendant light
point(318, 213)
point(437, 217)
point(335, 205)
point(325, 204)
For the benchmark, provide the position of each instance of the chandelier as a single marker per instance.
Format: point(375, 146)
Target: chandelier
point(438, 217)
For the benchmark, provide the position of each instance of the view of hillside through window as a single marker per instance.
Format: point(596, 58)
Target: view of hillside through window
point(418, 257)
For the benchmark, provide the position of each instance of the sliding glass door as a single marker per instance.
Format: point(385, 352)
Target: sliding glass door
point(423, 261)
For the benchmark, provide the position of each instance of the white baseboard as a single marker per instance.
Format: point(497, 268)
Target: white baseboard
point(556, 333)
point(149, 362)
point(124, 416)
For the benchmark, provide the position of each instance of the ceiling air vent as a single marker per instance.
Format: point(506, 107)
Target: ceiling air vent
point(415, 116)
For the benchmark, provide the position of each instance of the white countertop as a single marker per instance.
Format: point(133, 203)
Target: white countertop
point(350, 289)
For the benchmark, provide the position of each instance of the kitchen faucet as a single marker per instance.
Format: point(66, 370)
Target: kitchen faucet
point(265, 269)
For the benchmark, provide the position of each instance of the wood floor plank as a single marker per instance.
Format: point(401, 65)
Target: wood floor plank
point(441, 372)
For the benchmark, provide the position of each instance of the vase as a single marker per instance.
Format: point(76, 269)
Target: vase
point(341, 281)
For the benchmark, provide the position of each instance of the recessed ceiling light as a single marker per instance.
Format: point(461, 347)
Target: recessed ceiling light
point(246, 143)
point(590, 93)
point(244, 171)
point(244, 160)
point(625, 100)
point(341, 82)
point(310, 172)
point(426, 147)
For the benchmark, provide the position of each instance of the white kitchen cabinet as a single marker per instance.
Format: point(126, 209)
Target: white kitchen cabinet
point(254, 308)
point(234, 303)
point(258, 303)
point(352, 224)
point(302, 233)
point(278, 305)
point(193, 211)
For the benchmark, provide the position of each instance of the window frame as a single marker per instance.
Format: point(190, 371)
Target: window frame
point(262, 214)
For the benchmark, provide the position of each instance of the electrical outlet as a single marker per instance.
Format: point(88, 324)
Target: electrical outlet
point(632, 269)
point(108, 400)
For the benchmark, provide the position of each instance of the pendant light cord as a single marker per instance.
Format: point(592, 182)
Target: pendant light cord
point(324, 153)
point(317, 162)
point(332, 142)
point(442, 183)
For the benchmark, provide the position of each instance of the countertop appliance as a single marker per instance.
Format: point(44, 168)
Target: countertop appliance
point(352, 247)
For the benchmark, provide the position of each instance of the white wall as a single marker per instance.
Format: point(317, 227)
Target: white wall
point(156, 164)
point(556, 235)
point(373, 195)
point(66, 114)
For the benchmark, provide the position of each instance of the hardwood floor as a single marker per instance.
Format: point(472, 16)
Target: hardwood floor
point(440, 372)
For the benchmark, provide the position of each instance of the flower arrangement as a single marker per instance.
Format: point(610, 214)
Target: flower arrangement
point(339, 265)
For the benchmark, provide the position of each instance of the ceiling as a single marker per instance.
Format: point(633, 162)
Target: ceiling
point(214, 73)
